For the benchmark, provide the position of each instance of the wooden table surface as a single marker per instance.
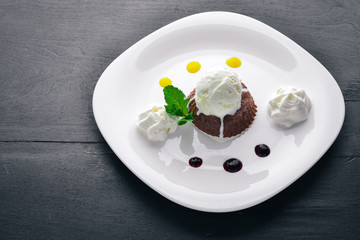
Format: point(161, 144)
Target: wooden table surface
point(60, 180)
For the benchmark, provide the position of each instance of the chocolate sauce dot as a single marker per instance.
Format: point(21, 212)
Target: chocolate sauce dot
point(195, 162)
point(232, 165)
point(262, 150)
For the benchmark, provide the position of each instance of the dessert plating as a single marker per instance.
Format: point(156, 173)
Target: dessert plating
point(221, 104)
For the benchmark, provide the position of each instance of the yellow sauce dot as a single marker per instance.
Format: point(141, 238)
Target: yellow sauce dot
point(193, 67)
point(165, 82)
point(233, 62)
point(155, 109)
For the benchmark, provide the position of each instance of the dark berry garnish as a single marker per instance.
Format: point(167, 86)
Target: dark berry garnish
point(262, 150)
point(195, 162)
point(232, 165)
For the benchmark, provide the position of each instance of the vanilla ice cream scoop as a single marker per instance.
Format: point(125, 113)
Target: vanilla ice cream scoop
point(218, 93)
point(289, 105)
point(156, 124)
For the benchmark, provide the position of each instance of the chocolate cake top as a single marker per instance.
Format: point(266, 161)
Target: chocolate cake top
point(232, 124)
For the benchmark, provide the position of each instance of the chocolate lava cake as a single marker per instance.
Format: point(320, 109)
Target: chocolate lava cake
point(233, 124)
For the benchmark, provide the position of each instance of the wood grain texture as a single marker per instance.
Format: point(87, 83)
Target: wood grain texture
point(53, 53)
point(83, 191)
point(60, 180)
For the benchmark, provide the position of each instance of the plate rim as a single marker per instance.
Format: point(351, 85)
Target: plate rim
point(161, 191)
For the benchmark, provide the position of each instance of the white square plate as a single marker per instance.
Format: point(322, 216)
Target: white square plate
point(269, 60)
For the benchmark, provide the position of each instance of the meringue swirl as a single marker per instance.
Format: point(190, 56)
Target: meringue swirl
point(156, 124)
point(289, 105)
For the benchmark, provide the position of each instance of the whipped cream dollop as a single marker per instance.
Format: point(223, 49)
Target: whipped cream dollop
point(289, 105)
point(156, 124)
point(218, 93)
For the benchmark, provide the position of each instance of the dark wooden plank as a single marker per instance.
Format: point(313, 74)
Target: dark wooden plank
point(52, 53)
point(347, 143)
point(67, 191)
point(59, 179)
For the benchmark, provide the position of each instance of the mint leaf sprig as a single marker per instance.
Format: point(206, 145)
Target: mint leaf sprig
point(177, 104)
